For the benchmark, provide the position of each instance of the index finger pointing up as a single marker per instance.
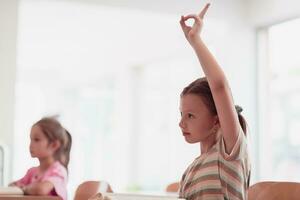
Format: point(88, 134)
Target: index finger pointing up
point(203, 11)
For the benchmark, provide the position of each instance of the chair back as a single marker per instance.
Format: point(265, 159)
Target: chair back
point(172, 187)
point(274, 191)
point(89, 189)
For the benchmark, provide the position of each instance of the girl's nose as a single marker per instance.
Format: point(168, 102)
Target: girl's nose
point(181, 124)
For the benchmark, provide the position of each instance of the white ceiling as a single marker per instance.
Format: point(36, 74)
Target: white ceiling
point(255, 12)
point(172, 6)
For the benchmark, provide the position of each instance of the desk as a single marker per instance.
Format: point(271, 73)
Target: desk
point(27, 197)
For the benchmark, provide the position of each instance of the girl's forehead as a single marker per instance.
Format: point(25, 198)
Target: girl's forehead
point(191, 101)
point(36, 131)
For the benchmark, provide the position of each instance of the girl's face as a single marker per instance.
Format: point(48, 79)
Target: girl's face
point(39, 144)
point(196, 121)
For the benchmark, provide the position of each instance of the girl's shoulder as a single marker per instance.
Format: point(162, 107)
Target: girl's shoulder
point(197, 161)
point(32, 170)
point(57, 168)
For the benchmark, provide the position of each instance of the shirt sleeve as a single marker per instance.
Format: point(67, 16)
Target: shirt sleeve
point(26, 179)
point(239, 148)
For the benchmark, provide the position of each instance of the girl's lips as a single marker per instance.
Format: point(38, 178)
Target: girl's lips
point(185, 133)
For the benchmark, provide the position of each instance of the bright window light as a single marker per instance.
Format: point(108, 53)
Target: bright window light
point(280, 140)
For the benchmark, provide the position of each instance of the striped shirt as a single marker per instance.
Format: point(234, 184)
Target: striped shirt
point(216, 175)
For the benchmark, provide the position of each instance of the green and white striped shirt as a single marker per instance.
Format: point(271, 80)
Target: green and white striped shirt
point(216, 175)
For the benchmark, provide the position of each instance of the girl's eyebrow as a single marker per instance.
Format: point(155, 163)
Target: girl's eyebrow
point(188, 111)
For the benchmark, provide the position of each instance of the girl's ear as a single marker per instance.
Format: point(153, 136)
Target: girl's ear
point(216, 125)
point(55, 145)
point(216, 121)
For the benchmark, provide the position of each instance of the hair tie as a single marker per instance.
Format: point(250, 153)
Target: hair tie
point(238, 109)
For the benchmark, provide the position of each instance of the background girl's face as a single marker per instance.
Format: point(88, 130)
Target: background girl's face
point(196, 120)
point(39, 144)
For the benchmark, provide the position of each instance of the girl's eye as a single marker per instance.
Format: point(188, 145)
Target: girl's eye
point(36, 139)
point(190, 115)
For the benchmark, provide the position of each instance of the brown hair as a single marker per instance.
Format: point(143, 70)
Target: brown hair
point(53, 130)
point(201, 88)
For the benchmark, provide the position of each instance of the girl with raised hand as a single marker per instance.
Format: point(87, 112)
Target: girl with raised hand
point(209, 117)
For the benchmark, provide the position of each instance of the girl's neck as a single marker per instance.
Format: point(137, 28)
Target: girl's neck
point(45, 163)
point(206, 145)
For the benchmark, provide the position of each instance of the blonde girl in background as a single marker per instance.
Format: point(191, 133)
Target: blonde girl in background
point(50, 143)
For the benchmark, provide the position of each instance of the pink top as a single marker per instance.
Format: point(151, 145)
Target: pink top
point(56, 174)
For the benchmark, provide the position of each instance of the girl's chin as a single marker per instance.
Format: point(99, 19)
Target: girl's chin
point(190, 141)
point(32, 155)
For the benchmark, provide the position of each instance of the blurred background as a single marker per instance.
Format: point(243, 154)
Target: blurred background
point(113, 71)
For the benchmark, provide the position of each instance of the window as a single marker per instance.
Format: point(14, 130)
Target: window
point(279, 102)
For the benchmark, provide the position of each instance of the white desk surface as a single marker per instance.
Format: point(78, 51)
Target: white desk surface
point(27, 197)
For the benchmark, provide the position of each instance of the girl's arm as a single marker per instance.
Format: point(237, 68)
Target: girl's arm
point(219, 86)
point(12, 184)
point(42, 188)
point(23, 181)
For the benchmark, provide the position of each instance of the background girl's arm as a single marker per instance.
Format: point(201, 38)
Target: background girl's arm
point(42, 188)
point(218, 83)
point(12, 184)
point(15, 184)
point(23, 181)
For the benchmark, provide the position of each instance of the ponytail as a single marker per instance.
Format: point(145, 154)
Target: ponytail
point(242, 120)
point(64, 157)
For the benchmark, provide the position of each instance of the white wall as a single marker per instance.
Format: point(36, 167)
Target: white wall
point(234, 47)
point(8, 31)
point(234, 44)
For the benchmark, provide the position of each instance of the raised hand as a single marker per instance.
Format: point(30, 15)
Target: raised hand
point(192, 33)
